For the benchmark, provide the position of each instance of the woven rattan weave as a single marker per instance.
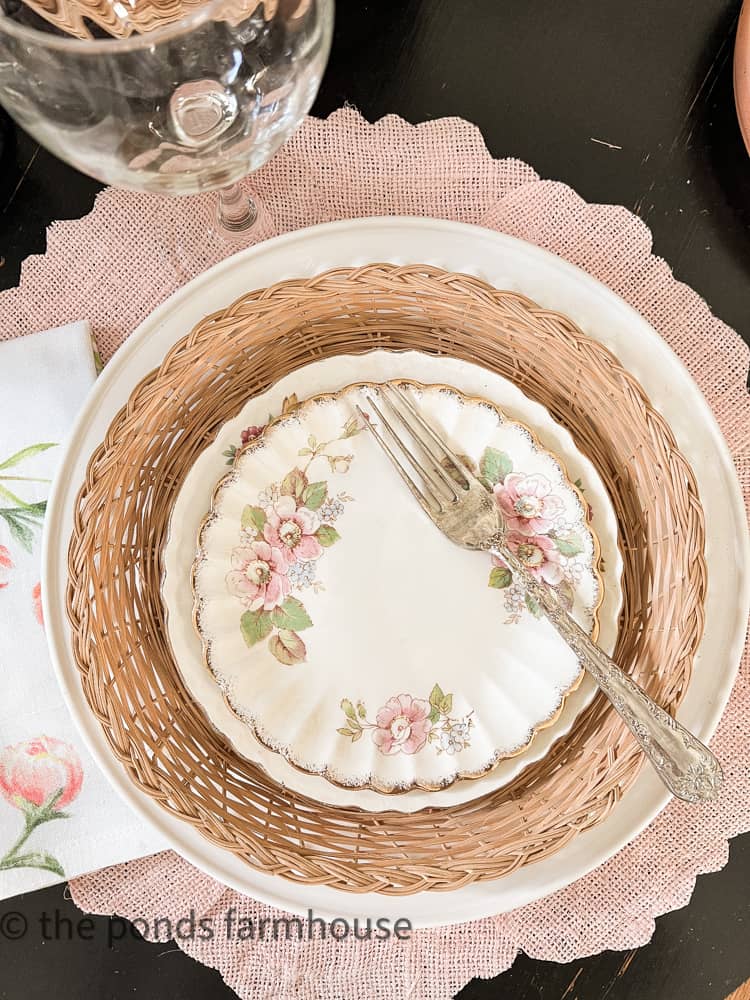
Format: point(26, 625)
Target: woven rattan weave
point(131, 682)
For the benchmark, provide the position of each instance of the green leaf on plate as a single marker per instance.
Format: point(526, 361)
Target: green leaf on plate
point(500, 577)
point(349, 710)
point(568, 545)
point(253, 517)
point(291, 615)
point(255, 626)
point(351, 427)
point(314, 494)
point(287, 647)
point(533, 606)
point(327, 535)
point(433, 716)
point(436, 697)
point(293, 484)
point(494, 466)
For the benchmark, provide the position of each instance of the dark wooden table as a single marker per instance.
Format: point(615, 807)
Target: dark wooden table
point(628, 101)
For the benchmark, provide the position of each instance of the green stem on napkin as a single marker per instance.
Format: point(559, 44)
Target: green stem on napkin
point(28, 452)
point(12, 497)
point(22, 520)
point(34, 816)
point(22, 517)
point(25, 479)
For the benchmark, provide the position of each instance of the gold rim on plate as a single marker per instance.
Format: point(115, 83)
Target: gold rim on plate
point(371, 781)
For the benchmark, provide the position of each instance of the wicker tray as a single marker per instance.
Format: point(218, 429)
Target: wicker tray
point(133, 687)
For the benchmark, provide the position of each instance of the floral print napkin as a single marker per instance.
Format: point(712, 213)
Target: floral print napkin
point(58, 815)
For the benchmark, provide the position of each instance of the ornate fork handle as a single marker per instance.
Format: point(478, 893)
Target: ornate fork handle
point(685, 765)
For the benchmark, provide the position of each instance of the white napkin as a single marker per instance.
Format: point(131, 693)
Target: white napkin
point(58, 815)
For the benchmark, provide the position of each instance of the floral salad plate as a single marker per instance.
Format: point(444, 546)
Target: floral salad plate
point(355, 640)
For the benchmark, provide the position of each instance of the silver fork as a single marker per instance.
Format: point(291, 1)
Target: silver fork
point(464, 510)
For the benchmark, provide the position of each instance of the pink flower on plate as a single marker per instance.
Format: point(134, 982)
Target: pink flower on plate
point(402, 725)
point(538, 554)
point(527, 503)
point(31, 773)
point(292, 530)
point(6, 563)
point(258, 576)
point(36, 603)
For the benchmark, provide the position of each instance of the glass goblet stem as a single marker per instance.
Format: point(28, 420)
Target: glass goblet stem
point(236, 212)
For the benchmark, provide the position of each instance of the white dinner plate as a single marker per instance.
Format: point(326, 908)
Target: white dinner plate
point(507, 263)
point(194, 498)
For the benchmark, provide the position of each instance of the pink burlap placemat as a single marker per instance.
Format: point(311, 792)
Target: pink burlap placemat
point(115, 266)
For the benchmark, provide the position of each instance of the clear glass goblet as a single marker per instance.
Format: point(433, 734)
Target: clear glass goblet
point(165, 95)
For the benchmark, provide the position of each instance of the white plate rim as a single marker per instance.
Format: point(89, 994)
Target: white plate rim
point(440, 243)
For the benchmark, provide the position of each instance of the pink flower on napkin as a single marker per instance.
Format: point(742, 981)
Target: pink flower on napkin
point(527, 503)
point(33, 772)
point(402, 725)
point(6, 564)
point(291, 530)
point(36, 603)
point(258, 575)
point(537, 553)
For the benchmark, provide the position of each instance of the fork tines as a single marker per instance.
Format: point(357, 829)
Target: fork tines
point(443, 475)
